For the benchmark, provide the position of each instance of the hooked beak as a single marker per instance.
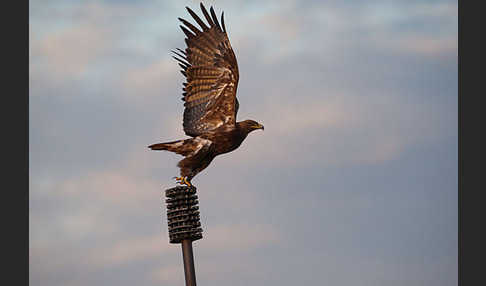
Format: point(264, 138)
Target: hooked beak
point(257, 126)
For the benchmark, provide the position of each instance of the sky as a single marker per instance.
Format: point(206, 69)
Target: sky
point(353, 182)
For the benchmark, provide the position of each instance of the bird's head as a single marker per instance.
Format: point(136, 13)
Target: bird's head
point(250, 125)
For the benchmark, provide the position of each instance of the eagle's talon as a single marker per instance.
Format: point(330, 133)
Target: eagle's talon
point(178, 179)
point(182, 181)
point(187, 183)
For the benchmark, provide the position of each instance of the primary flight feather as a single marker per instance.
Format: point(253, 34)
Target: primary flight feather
point(209, 94)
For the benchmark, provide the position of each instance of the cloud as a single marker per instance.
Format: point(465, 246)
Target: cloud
point(170, 274)
point(433, 47)
point(72, 50)
point(132, 250)
point(344, 128)
point(85, 41)
point(238, 237)
point(111, 187)
point(146, 80)
point(69, 51)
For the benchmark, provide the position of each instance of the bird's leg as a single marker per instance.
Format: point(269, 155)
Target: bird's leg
point(186, 182)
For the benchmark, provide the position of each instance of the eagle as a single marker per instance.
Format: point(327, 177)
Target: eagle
point(209, 94)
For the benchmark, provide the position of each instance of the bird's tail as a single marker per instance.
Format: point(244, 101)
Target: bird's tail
point(179, 147)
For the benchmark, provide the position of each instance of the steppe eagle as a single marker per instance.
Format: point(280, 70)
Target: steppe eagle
point(209, 94)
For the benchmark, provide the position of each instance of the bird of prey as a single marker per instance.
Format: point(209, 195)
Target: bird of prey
point(209, 95)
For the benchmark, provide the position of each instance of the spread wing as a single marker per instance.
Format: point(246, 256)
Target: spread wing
point(211, 71)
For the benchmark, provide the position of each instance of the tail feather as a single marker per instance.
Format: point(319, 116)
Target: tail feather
point(174, 146)
point(163, 146)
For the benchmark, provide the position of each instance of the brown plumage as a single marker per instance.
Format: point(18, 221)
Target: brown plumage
point(211, 70)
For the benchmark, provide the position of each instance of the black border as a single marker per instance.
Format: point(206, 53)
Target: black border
point(471, 143)
point(15, 142)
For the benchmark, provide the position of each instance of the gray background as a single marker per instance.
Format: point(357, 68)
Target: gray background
point(353, 181)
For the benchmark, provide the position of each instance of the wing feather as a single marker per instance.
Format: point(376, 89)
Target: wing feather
point(198, 20)
point(222, 21)
point(190, 26)
point(215, 19)
point(206, 15)
point(211, 70)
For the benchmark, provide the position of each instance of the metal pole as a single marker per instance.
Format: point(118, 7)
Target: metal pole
point(184, 225)
point(188, 258)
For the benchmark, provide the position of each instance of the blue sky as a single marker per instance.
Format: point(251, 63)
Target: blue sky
point(353, 181)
